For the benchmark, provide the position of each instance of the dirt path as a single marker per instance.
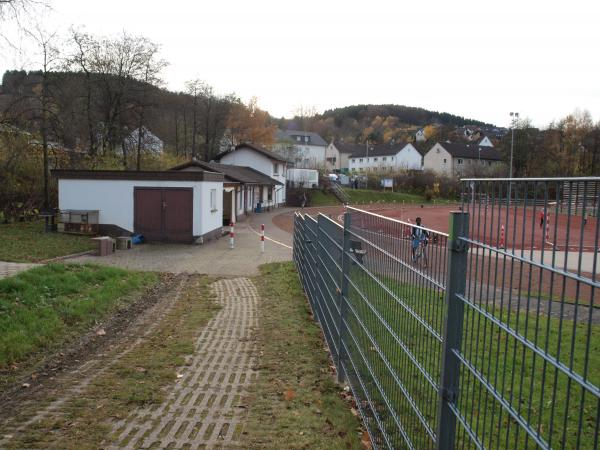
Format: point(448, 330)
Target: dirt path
point(205, 407)
point(67, 376)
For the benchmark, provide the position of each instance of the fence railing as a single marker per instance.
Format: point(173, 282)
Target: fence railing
point(483, 335)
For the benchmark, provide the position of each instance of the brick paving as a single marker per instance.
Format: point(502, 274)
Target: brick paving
point(8, 269)
point(204, 408)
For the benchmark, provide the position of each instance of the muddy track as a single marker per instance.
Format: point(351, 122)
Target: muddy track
point(67, 373)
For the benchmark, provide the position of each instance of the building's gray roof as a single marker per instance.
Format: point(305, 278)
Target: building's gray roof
point(378, 150)
point(237, 174)
point(269, 154)
point(290, 135)
point(349, 148)
point(471, 151)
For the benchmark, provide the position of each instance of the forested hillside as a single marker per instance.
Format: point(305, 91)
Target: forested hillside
point(377, 123)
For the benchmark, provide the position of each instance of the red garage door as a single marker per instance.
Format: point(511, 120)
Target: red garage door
point(164, 214)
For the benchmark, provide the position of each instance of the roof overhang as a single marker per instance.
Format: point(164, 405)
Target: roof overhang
point(137, 175)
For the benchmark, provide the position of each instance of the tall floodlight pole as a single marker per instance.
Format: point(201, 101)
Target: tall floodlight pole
point(514, 117)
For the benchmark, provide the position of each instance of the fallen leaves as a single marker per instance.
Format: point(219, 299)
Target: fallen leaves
point(289, 395)
point(365, 440)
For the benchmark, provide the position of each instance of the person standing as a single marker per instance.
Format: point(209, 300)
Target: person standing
point(419, 235)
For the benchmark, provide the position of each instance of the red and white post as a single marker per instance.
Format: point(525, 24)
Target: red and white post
point(262, 238)
point(231, 235)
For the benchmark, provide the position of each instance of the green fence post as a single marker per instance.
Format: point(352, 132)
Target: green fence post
point(453, 328)
point(343, 295)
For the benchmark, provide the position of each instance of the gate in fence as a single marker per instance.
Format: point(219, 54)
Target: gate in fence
point(484, 336)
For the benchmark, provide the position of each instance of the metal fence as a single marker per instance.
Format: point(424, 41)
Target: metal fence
point(484, 336)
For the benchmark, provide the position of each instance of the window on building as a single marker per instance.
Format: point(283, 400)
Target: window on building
point(275, 169)
point(360, 160)
point(306, 139)
point(298, 138)
point(444, 160)
point(353, 160)
point(460, 161)
point(270, 194)
point(392, 158)
point(384, 158)
point(437, 150)
point(374, 159)
point(213, 200)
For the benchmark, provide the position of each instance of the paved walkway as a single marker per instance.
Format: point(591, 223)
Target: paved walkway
point(204, 408)
point(213, 258)
point(8, 269)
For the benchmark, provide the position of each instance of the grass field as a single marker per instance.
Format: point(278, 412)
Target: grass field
point(538, 392)
point(140, 378)
point(320, 198)
point(27, 242)
point(359, 196)
point(295, 403)
point(364, 196)
point(42, 308)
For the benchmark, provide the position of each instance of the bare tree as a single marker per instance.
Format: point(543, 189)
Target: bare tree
point(194, 88)
point(50, 59)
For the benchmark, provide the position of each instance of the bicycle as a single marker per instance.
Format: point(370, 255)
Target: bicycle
point(421, 252)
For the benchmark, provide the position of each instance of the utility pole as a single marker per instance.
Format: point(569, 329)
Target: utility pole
point(514, 117)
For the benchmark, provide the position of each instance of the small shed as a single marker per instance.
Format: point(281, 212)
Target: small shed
point(172, 206)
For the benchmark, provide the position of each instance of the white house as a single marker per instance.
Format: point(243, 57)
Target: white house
point(243, 188)
point(485, 141)
point(150, 143)
point(261, 160)
point(337, 156)
point(420, 135)
point(456, 159)
point(160, 205)
point(385, 157)
point(304, 149)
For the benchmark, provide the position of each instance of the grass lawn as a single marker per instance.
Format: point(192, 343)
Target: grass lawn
point(43, 307)
point(27, 242)
point(295, 402)
point(140, 378)
point(320, 198)
point(358, 196)
point(539, 393)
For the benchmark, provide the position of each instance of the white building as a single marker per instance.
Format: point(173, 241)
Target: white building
point(304, 149)
point(485, 141)
point(160, 205)
point(150, 142)
point(243, 188)
point(420, 135)
point(260, 159)
point(385, 157)
point(456, 159)
point(337, 156)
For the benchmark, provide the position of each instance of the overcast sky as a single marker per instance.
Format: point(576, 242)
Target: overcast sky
point(480, 59)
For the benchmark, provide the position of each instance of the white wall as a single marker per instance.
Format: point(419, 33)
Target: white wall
point(485, 142)
point(257, 161)
point(206, 220)
point(407, 158)
point(438, 160)
point(313, 156)
point(114, 200)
